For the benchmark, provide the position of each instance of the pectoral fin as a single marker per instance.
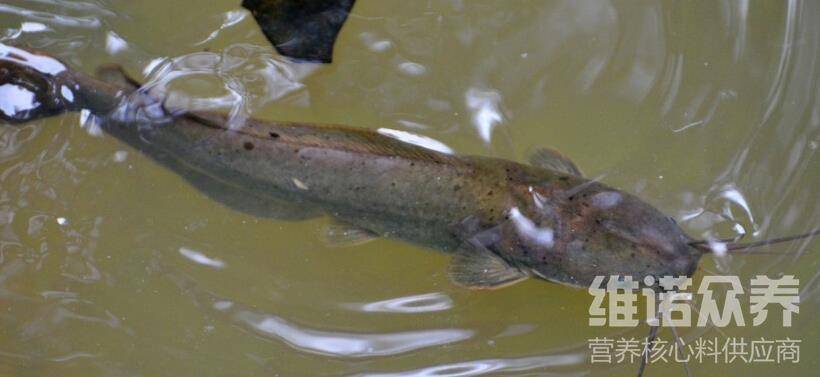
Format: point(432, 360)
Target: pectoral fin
point(475, 267)
point(551, 159)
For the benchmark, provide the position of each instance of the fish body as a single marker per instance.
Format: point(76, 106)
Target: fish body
point(503, 220)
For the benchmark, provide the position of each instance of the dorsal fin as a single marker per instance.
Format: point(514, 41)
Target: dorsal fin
point(551, 159)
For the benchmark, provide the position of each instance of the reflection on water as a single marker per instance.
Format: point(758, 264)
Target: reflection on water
point(51, 18)
point(239, 80)
point(486, 115)
point(420, 140)
point(708, 110)
point(333, 343)
point(494, 366)
point(42, 64)
point(200, 258)
point(16, 99)
point(428, 302)
point(346, 344)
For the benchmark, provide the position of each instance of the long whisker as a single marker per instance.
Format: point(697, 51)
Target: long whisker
point(711, 325)
point(808, 287)
point(721, 240)
point(709, 246)
point(650, 339)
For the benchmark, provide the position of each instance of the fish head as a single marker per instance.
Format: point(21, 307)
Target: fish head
point(570, 234)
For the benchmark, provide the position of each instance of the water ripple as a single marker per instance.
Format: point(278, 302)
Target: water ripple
point(305, 339)
point(423, 303)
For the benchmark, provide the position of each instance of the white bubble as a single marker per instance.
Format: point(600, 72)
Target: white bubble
point(200, 258)
point(120, 156)
point(301, 185)
point(32, 27)
point(412, 69)
point(67, 93)
point(114, 43)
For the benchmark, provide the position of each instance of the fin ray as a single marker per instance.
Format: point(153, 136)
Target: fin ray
point(551, 159)
point(475, 267)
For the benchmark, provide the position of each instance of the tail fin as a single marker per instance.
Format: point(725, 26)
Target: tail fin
point(33, 86)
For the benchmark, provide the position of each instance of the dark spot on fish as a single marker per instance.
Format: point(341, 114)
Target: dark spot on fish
point(248, 146)
point(412, 164)
point(274, 135)
point(490, 193)
point(572, 198)
point(393, 184)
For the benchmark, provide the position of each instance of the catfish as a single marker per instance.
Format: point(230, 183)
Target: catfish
point(503, 221)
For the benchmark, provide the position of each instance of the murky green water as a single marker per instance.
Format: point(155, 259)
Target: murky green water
point(709, 110)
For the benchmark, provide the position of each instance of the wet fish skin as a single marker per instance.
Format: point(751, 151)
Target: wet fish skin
point(527, 220)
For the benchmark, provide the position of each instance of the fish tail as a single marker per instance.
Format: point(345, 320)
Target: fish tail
point(34, 85)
